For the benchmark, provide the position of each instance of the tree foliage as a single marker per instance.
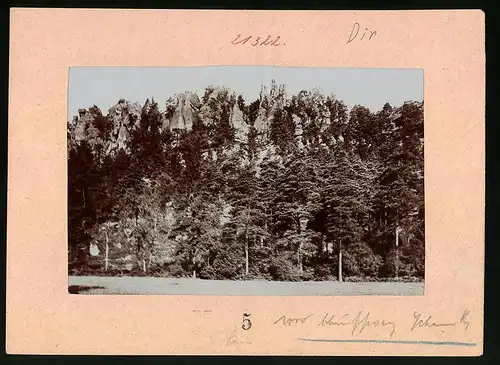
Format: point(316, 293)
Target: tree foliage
point(279, 205)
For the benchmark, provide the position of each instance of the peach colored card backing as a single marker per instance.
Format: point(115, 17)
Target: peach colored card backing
point(42, 318)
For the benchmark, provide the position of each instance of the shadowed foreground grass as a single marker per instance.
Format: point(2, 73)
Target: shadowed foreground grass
point(173, 286)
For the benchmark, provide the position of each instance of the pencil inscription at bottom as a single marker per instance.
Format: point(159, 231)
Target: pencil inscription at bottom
point(233, 339)
point(359, 323)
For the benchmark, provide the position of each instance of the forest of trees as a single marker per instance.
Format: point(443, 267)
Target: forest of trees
point(283, 192)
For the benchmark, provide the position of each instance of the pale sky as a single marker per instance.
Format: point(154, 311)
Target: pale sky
point(104, 86)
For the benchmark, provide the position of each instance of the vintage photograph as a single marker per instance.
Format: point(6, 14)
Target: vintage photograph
point(246, 180)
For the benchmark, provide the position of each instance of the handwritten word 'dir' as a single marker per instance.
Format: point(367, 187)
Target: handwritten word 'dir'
point(254, 41)
point(365, 35)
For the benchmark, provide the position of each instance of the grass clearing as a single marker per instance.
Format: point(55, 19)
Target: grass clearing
point(174, 286)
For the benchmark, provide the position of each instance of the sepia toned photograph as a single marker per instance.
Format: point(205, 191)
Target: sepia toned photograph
point(245, 180)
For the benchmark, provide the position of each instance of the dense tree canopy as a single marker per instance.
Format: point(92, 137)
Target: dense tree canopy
point(279, 194)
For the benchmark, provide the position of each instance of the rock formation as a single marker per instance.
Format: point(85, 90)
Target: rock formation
point(271, 101)
point(111, 132)
point(181, 111)
point(238, 122)
point(125, 116)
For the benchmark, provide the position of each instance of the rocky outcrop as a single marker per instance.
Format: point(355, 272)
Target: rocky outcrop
point(211, 111)
point(298, 132)
point(181, 111)
point(81, 124)
point(112, 132)
point(240, 125)
point(84, 127)
point(271, 101)
point(125, 116)
point(124, 113)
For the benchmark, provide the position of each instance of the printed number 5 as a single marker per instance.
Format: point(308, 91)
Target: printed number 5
point(247, 324)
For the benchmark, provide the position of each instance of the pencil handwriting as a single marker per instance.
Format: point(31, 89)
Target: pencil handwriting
point(233, 339)
point(359, 323)
point(290, 320)
point(257, 41)
point(366, 324)
point(366, 34)
point(421, 321)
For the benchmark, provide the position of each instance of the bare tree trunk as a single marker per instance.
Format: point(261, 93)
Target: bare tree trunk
point(246, 259)
point(397, 253)
point(106, 260)
point(194, 269)
point(261, 239)
point(144, 264)
point(153, 242)
point(397, 250)
point(246, 244)
point(299, 254)
point(397, 262)
point(340, 263)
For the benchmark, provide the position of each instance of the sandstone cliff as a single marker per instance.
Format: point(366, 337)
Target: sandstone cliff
point(112, 132)
point(181, 111)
